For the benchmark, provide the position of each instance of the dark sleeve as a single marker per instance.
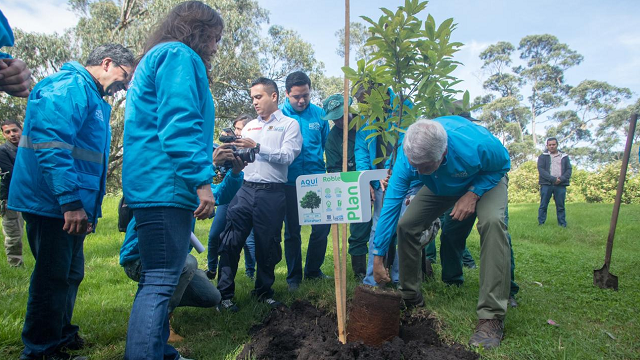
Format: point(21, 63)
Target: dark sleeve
point(544, 173)
point(5, 166)
point(5, 161)
point(333, 155)
point(566, 171)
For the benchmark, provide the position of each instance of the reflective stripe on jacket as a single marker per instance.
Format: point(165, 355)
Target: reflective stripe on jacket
point(63, 151)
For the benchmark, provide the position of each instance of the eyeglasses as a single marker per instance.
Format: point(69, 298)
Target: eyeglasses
point(126, 74)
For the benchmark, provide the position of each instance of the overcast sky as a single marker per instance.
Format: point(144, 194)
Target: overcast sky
point(606, 33)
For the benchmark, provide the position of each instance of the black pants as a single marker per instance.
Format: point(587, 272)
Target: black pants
point(261, 208)
point(316, 250)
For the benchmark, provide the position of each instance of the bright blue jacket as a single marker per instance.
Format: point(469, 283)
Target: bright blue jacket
point(365, 150)
point(314, 136)
point(64, 149)
point(223, 193)
point(476, 161)
point(168, 129)
point(6, 35)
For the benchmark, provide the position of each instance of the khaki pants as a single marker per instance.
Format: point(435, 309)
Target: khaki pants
point(12, 228)
point(495, 253)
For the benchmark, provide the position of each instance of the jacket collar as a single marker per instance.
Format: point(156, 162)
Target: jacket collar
point(76, 67)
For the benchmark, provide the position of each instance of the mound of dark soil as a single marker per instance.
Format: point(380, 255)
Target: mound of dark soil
point(303, 332)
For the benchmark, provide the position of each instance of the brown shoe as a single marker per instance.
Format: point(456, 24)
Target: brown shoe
point(173, 337)
point(488, 334)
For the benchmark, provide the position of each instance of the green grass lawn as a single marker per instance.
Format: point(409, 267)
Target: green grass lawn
point(554, 268)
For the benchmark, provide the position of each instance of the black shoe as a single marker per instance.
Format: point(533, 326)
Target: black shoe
point(512, 302)
point(78, 343)
point(410, 304)
point(228, 305)
point(322, 276)
point(211, 274)
point(250, 275)
point(359, 266)
point(293, 287)
point(470, 265)
point(272, 302)
point(488, 334)
point(427, 271)
point(61, 355)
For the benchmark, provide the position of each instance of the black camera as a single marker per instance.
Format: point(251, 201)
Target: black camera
point(246, 155)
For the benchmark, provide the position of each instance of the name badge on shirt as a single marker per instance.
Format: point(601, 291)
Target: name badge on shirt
point(314, 126)
point(276, 128)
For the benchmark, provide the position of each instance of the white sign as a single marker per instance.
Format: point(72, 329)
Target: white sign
point(336, 197)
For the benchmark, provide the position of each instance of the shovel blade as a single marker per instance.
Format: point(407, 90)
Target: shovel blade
point(603, 279)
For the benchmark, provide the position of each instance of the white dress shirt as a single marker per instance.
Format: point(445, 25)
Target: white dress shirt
point(280, 143)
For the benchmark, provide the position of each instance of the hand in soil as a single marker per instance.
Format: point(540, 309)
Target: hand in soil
point(380, 273)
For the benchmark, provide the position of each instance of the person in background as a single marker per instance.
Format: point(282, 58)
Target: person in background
point(333, 106)
point(12, 222)
point(554, 170)
point(219, 221)
point(310, 161)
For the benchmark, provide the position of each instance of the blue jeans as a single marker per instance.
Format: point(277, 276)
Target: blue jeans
point(559, 195)
point(58, 271)
point(193, 289)
point(163, 240)
point(217, 226)
point(394, 272)
point(316, 250)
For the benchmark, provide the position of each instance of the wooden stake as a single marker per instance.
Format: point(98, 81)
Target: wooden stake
point(340, 312)
point(340, 254)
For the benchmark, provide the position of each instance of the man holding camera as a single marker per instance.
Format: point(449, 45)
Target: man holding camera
point(260, 202)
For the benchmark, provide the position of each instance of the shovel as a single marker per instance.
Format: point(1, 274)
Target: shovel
point(602, 277)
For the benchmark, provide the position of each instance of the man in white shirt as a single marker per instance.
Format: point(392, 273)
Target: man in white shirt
point(260, 203)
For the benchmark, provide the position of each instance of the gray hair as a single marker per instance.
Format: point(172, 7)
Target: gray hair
point(425, 141)
point(118, 53)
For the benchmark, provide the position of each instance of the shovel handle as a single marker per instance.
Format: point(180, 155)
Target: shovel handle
point(623, 175)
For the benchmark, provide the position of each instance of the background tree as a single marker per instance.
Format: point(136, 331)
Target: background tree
point(358, 36)
point(310, 200)
point(546, 60)
point(243, 54)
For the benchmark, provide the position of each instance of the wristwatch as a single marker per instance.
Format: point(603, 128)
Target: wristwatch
point(257, 148)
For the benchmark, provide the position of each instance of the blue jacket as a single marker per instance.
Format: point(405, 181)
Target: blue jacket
point(6, 35)
point(223, 193)
point(168, 129)
point(64, 149)
point(366, 149)
point(314, 136)
point(476, 161)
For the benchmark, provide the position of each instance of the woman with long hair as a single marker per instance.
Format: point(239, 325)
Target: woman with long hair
point(167, 169)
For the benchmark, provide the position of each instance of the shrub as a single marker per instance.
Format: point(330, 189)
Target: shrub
point(598, 186)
